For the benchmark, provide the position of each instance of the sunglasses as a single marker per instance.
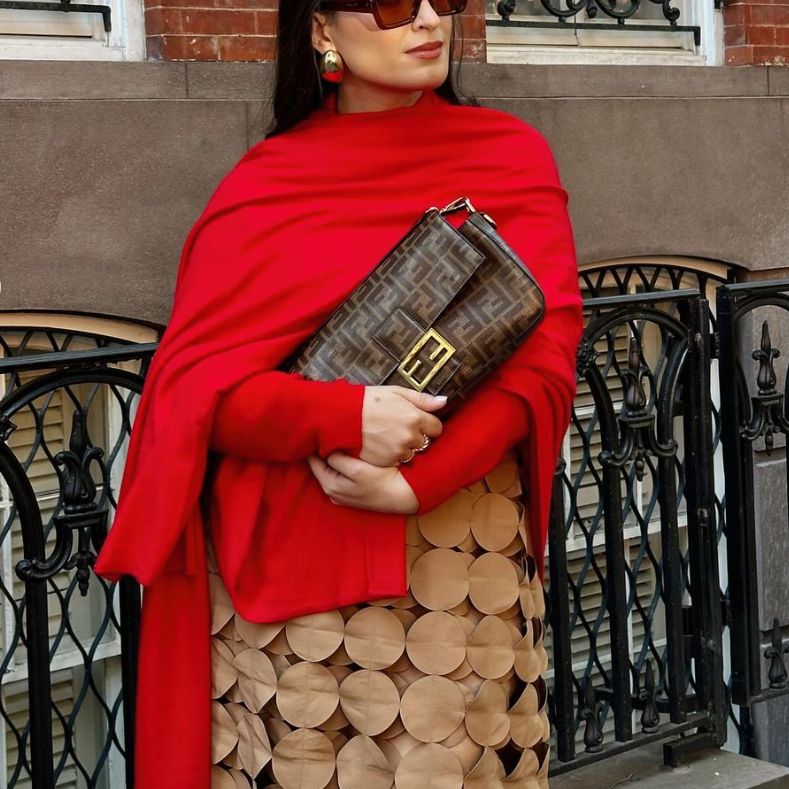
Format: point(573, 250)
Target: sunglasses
point(393, 13)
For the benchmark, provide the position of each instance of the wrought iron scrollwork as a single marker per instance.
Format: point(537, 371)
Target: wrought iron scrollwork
point(777, 673)
point(571, 10)
point(650, 717)
point(767, 406)
point(81, 513)
point(637, 437)
point(505, 9)
point(591, 709)
point(585, 357)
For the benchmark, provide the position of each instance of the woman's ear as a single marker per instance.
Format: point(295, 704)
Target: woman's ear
point(321, 38)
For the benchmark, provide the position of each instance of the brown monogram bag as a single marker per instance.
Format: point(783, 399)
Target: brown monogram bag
point(439, 312)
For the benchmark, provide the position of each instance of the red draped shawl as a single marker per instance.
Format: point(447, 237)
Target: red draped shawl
point(288, 233)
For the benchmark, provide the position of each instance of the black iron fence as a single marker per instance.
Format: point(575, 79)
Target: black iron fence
point(755, 420)
point(643, 518)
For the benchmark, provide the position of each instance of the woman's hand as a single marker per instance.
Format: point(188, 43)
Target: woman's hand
point(356, 483)
point(395, 420)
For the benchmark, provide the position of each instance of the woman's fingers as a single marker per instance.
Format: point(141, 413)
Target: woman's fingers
point(337, 474)
point(345, 465)
point(370, 487)
point(431, 425)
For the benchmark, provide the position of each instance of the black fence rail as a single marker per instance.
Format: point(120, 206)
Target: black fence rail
point(755, 421)
point(633, 595)
point(59, 466)
point(648, 374)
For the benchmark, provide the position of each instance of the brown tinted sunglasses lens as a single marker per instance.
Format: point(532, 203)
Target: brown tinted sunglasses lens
point(396, 12)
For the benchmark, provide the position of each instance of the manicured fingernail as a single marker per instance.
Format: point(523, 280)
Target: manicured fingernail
point(442, 398)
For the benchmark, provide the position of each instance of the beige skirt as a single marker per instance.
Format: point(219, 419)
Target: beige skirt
point(436, 690)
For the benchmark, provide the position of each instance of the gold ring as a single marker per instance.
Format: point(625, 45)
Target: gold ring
point(425, 444)
point(410, 457)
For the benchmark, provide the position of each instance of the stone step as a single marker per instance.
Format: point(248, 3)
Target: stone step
point(709, 768)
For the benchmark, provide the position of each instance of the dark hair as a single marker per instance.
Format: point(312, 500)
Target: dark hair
point(299, 88)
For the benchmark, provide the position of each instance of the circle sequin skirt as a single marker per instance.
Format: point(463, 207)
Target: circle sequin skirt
point(440, 689)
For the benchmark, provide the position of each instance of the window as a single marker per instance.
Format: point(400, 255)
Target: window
point(534, 35)
point(36, 34)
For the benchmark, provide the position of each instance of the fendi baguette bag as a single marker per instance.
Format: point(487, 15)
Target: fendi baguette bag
point(442, 309)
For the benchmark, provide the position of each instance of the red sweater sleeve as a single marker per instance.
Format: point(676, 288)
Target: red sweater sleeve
point(282, 416)
point(472, 443)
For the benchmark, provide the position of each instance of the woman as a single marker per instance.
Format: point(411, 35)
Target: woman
point(283, 515)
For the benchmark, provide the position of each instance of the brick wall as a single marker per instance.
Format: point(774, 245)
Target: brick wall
point(244, 30)
point(756, 32)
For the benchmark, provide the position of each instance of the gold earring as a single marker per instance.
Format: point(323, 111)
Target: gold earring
point(331, 66)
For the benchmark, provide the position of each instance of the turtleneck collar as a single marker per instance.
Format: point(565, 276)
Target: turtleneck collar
point(426, 101)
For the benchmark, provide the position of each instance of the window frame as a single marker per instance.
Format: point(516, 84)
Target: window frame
point(520, 44)
point(125, 42)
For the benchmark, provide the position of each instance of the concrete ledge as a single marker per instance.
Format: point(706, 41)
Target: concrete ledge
point(643, 767)
point(95, 80)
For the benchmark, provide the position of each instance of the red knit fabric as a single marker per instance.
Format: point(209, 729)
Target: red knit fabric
point(278, 416)
point(288, 233)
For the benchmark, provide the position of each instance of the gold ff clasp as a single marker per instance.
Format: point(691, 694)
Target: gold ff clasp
point(439, 355)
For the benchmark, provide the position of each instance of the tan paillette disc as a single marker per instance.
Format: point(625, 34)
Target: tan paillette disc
point(221, 605)
point(493, 583)
point(277, 729)
point(221, 779)
point(469, 545)
point(436, 643)
point(361, 764)
point(513, 548)
point(429, 765)
point(254, 747)
point(307, 694)
point(224, 734)
point(374, 637)
point(340, 657)
point(526, 725)
point(432, 708)
point(494, 521)
point(279, 644)
point(487, 773)
point(241, 780)
point(257, 681)
point(486, 717)
point(304, 759)
point(531, 659)
point(490, 650)
point(501, 478)
point(257, 634)
point(532, 768)
point(447, 525)
point(439, 579)
point(369, 700)
point(527, 600)
point(223, 674)
point(316, 636)
point(467, 751)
